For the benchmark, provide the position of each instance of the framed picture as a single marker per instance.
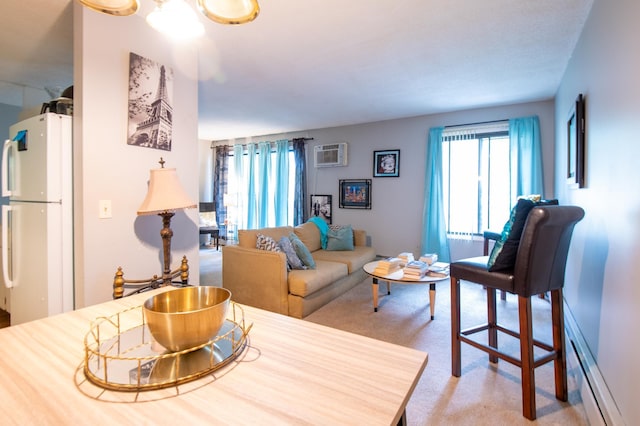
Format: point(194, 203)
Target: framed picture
point(150, 104)
point(355, 193)
point(321, 207)
point(386, 163)
point(576, 144)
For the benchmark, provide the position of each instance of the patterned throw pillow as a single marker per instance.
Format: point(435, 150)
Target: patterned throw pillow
point(302, 251)
point(264, 242)
point(503, 255)
point(292, 258)
point(340, 238)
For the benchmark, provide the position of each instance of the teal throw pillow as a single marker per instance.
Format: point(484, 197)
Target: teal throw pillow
point(293, 260)
point(302, 251)
point(503, 255)
point(340, 239)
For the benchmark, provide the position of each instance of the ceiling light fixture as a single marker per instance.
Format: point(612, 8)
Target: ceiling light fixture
point(175, 19)
point(113, 7)
point(229, 12)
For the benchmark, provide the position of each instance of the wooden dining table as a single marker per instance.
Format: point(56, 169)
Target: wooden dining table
point(291, 371)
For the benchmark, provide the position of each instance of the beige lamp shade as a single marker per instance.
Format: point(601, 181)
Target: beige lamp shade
point(165, 193)
point(229, 11)
point(113, 7)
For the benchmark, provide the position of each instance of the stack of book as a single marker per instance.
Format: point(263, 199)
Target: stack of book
point(429, 258)
point(387, 266)
point(405, 257)
point(415, 270)
point(439, 270)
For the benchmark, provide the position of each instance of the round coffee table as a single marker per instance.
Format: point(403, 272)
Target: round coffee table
point(397, 277)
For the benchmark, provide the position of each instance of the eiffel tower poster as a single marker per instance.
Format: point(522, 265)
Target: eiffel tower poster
point(150, 103)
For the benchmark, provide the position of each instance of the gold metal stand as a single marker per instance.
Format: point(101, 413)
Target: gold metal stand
point(120, 283)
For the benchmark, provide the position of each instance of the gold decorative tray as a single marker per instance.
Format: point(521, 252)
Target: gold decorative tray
point(120, 353)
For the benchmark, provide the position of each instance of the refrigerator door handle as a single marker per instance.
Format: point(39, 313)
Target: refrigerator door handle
point(6, 192)
point(8, 282)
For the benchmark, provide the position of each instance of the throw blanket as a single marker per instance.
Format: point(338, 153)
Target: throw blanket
point(323, 227)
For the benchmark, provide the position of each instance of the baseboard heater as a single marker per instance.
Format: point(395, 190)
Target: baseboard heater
point(599, 404)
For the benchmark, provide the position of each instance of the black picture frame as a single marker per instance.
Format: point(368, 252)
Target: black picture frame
point(355, 193)
point(386, 163)
point(321, 207)
point(576, 144)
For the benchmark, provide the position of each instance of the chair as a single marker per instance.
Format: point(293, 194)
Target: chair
point(207, 222)
point(491, 236)
point(539, 267)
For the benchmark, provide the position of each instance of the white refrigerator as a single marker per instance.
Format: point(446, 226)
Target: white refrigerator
point(37, 224)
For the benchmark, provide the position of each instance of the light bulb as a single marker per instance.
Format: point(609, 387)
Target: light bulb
point(175, 19)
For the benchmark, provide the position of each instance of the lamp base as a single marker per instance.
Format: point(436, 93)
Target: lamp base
point(139, 286)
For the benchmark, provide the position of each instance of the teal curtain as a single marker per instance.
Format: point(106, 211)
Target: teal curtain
point(282, 182)
point(434, 230)
point(299, 205)
point(262, 184)
point(526, 157)
point(252, 209)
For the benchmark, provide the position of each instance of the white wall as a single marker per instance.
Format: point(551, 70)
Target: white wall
point(603, 274)
point(109, 169)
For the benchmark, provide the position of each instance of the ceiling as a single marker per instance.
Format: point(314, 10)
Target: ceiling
point(305, 64)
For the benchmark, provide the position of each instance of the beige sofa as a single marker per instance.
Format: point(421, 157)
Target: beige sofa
point(260, 278)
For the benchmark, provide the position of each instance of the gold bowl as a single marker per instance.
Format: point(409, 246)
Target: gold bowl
point(186, 317)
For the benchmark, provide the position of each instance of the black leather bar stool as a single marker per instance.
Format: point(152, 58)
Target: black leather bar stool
point(539, 268)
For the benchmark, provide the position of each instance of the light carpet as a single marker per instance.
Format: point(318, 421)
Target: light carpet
point(485, 394)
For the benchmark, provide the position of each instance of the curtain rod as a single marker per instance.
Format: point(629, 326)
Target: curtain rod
point(479, 123)
point(226, 142)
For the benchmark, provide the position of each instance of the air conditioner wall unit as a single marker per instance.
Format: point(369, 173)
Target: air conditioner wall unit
point(330, 155)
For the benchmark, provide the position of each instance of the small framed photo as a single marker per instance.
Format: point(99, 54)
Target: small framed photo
point(321, 207)
point(386, 163)
point(355, 193)
point(576, 144)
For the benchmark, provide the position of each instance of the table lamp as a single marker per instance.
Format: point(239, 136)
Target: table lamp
point(164, 197)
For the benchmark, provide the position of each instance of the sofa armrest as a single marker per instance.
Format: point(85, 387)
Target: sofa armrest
point(359, 237)
point(256, 277)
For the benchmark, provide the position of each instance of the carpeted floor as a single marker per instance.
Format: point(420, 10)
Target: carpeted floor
point(210, 265)
point(485, 394)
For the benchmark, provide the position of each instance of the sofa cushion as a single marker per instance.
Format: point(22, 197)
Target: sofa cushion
point(302, 251)
point(292, 258)
point(247, 238)
point(354, 260)
point(340, 239)
point(304, 282)
point(309, 234)
point(264, 242)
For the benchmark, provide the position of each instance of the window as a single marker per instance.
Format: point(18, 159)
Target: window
point(476, 178)
point(236, 197)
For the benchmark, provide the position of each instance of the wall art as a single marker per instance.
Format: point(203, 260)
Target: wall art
point(150, 104)
point(355, 193)
point(321, 207)
point(576, 144)
point(386, 163)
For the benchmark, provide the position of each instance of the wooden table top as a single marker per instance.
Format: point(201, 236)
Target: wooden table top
point(292, 371)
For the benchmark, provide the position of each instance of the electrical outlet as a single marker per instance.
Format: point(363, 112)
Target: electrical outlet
point(105, 209)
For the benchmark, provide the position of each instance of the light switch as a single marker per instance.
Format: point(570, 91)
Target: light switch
point(105, 209)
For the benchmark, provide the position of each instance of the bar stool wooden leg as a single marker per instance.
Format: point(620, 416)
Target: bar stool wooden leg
point(526, 354)
point(560, 363)
point(456, 360)
point(492, 322)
